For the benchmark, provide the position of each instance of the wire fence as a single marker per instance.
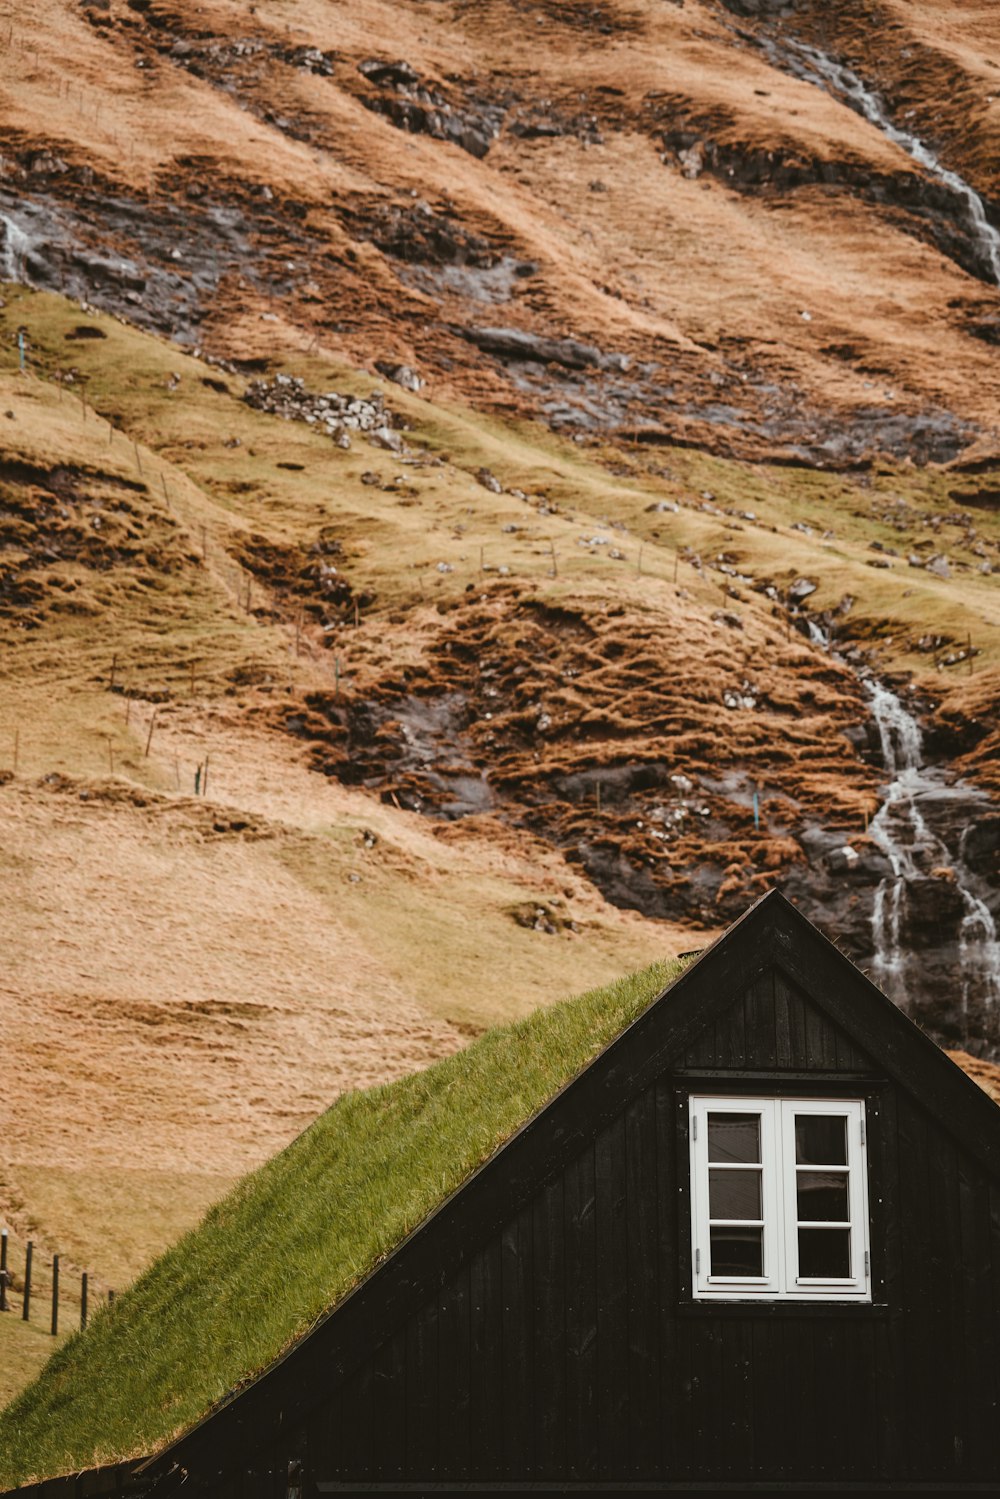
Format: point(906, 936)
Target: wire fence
point(47, 1293)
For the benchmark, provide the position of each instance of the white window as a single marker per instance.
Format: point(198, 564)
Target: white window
point(779, 1199)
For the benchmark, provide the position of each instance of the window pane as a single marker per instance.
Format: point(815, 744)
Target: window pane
point(823, 1197)
point(735, 1137)
point(734, 1194)
point(820, 1140)
point(737, 1251)
point(824, 1253)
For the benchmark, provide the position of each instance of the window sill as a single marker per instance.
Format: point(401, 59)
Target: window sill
point(783, 1308)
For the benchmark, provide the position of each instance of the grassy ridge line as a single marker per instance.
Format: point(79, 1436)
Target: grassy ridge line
point(295, 1236)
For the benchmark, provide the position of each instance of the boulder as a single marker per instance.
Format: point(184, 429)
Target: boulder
point(380, 72)
point(400, 374)
point(981, 846)
point(515, 343)
point(801, 590)
point(385, 437)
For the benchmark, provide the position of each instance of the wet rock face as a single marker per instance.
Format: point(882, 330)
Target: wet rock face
point(927, 939)
point(422, 109)
point(980, 846)
point(67, 234)
point(417, 234)
point(759, 7)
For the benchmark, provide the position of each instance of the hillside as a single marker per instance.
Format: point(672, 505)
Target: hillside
point(541, 461)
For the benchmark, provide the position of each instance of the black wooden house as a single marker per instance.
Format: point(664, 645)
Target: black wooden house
point(755, 1243)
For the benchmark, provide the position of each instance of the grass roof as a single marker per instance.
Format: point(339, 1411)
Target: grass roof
point(294, 1237)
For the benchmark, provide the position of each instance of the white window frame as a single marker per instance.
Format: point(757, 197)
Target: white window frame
point(780, 1280)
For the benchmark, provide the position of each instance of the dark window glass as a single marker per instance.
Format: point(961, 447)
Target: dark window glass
point(823, 1197)
point(737, 1251)
point(735, 1137)
point(820, 1140)
point(824, 1253)
point(734, 1194)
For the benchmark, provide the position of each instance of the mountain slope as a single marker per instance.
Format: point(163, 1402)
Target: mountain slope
point(675, 511)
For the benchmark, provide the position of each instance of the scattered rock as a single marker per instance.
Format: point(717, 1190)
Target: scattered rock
point(801, 590)
point(489, 481)
point(387, 438)
point(400, 374)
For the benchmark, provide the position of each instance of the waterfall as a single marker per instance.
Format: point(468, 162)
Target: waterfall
point(813, 66)
point(901, 831)
point(14, 248)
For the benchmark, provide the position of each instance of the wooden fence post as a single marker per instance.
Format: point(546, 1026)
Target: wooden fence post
point(3, 1271)
point(55, 1294)
point(83, 1300)
point(26, 1305)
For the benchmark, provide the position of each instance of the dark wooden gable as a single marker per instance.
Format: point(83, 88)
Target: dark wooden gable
point(772, 1026)
point(539, 1328)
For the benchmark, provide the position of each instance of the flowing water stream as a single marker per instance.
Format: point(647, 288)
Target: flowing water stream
point(915, 796)
point(923, 823)
point(14, 247)
point(814, 66)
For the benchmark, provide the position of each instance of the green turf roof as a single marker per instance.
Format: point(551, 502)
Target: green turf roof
point(294, 1237)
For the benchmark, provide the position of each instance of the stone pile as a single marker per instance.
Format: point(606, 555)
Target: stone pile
point(337, 415)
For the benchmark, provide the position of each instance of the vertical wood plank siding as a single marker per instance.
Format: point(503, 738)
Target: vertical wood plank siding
point(567, 1347)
